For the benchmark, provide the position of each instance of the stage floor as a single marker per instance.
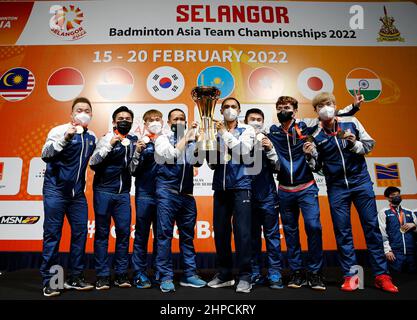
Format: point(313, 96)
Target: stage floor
point(26, 285)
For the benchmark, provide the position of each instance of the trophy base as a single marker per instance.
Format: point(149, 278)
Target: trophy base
point(207, 145)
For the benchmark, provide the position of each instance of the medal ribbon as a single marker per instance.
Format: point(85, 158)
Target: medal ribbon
point(400, 215)
point(297, 130)
point(335, 132)
point(118, 133)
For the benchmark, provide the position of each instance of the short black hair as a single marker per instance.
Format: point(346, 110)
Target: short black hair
point(121, 109)
point(81, 100)
point(176, 109)
point(254, 110)
point(230, 98)
point(388, 191)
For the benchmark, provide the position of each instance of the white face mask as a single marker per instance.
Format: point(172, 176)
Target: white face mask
point(82, 119)
point(257, 125)
point(155, 127)
point(327, 113)
point(230, 114)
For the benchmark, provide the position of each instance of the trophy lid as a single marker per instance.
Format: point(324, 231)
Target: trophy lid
point(205, 91)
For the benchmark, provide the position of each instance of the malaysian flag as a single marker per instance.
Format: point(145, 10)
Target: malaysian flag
point(16, 84)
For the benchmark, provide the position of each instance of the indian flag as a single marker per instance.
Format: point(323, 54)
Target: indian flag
point(366, 80)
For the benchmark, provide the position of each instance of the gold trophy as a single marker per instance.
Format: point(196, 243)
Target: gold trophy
point(206, 98)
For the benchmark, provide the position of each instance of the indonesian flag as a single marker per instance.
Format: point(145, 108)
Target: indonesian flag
point(65, 84)
point(366, 80)
point(115, 83)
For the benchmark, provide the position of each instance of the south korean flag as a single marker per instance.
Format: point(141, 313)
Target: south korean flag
point(165, 83)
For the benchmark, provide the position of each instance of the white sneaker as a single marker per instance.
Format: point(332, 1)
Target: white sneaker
point(218, 283)
point(244, 286)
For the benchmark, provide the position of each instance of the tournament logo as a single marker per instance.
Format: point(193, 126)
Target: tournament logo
point(218, 77)
point(16, 84)
point(65, 84)
point(266, 83)
point(66, 22)
point(388, 31)
point(312, 81)
point(19, 219)
point(367, 81)
point(115, 83)
point(388, 175)
point(165, 83)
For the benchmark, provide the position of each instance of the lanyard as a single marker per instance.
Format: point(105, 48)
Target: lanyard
point(400, 215)
point(297, 130)
point(118, 133)
point(335, 131)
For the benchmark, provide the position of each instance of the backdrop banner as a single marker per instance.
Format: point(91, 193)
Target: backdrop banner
point(150, 54)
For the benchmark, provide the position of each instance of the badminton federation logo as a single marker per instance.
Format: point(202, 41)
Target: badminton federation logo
point(388, 175)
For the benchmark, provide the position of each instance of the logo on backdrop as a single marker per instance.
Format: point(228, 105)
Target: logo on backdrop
point(19, 219)
point(16, 84)
point(165, 83)
point(266, 83)
point(387, 175)
point(115, 83)
point(366, 80)
point(392, 171)
point(66, 22)
point(218, 77)
point(388, 31)
point(65, 84)
point(312, 81)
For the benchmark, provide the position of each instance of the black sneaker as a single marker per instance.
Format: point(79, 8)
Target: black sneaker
point(49, 292)
point(298, 280)
point(78, 283)
point(103, 283)
point(122, 281)
point(316, 281)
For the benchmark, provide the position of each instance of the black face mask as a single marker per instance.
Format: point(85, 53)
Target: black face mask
point(396, 200)
point(178, 129)
point(123, 126)
point(284, 116)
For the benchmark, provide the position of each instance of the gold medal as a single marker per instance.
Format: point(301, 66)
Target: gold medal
point(341, 134)
point(227, 157)
point(309, 138)
point(125, 142)
point(260, 136)
point(79, 129)
point(146, 139)
point(402, 229)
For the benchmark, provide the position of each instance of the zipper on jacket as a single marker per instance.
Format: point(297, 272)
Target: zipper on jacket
point(183, 170)
point(121, 178)
point(81, 159)
point(405, 250)
point(224, 167)
point(343, 161)
point(291, 164)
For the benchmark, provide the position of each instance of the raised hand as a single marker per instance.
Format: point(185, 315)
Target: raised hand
point(358, 98)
